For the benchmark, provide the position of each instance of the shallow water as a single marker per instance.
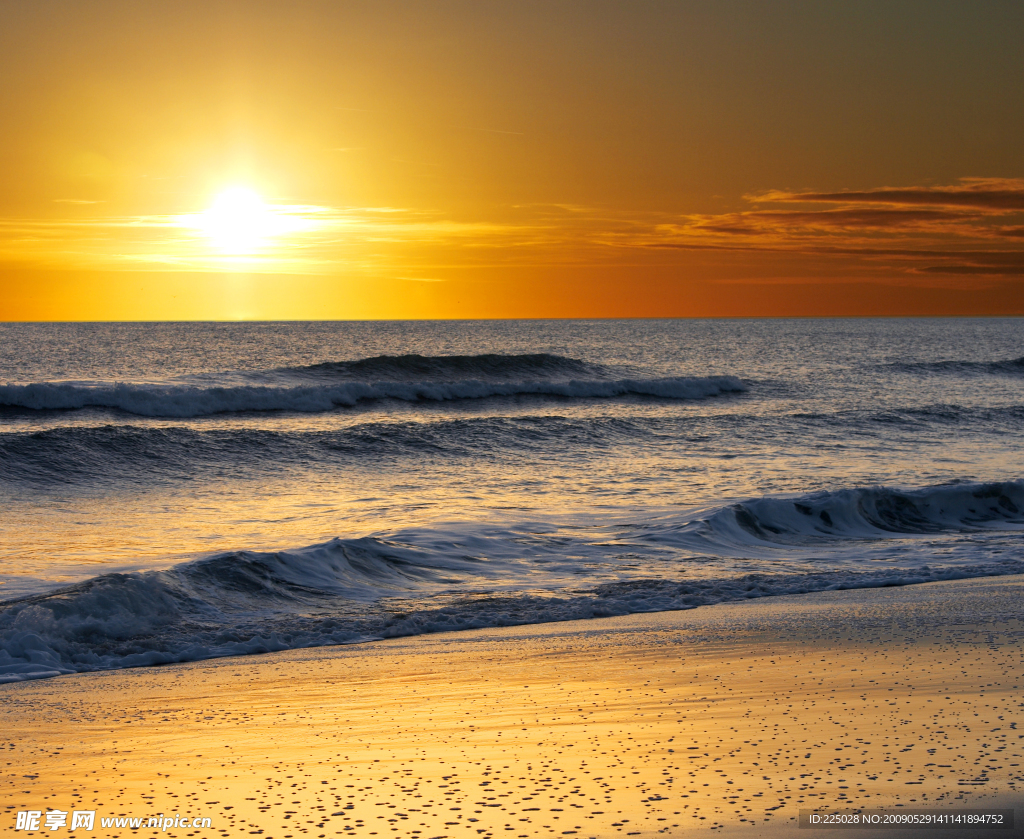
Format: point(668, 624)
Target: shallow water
point(176, 491)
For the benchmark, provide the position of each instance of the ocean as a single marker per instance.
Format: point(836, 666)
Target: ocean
point(174, 492)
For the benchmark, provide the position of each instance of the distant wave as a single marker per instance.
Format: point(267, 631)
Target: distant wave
point(1007, 367)
point(326, 387)
point(452, 367)
point(139, 452)
point(349, 590)
point(143, 453)
point(977, 416)
point(937, 414)
point(185, 401)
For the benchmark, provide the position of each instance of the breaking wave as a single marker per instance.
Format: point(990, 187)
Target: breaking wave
point(351, 590)
point(329, 386)
point(862, 513)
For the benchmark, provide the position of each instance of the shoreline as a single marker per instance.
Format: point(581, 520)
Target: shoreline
point(725, 719)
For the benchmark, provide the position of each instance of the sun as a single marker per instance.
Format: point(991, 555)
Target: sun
point(239, 222)
point(238, 226)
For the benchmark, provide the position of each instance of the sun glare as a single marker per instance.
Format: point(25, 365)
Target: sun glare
point(239, 222)
point(239, 226)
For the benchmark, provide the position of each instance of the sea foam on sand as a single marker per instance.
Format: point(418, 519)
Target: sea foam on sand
point(730, 717)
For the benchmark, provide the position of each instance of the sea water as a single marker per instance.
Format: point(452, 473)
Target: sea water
point(173, 492)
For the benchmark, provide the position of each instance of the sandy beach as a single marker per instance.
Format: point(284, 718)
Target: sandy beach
point(728, 719)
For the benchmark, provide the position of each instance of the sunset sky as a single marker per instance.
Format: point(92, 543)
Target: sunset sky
point(336, 160)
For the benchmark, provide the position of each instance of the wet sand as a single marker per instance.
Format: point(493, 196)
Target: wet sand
point(724, 720)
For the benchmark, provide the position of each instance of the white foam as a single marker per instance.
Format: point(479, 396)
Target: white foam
point(157, 400)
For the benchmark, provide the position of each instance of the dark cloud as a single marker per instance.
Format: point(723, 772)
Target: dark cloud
point(783, 224)
point(969, 229)
point(989, 270)
point(867, 217)
point(733, 229)
point(998, 194)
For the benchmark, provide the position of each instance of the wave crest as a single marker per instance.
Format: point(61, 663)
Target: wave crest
point(183, 401)
point(867, 513)
point(451, 367)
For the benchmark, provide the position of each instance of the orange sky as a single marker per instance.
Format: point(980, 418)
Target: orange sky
point(527, 159)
